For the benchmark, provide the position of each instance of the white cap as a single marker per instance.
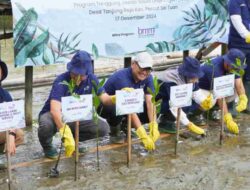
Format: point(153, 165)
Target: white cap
point(144, 60)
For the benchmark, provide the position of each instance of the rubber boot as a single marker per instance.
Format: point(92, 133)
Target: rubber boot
point(231, 106)
point(116, 136)
point(166, 125)
point(197, 117)
point(247, 89)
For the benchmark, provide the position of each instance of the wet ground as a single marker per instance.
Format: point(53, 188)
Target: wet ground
point(199, 165)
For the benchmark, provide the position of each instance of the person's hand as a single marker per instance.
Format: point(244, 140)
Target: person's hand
point(146, 140)
point(248, 38)
point(195, 129)
point(207, 103)
point(153, 131)
point(68, 140)
point(231, 125)
point(242, 105)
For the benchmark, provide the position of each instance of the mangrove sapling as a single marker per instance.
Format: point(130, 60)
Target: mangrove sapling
point(156, 103)
point(96, 103)
point(54, 172)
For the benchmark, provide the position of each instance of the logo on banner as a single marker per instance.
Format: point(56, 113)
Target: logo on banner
point(147, 32)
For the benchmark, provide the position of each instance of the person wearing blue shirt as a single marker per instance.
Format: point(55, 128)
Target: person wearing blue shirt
point(239, 36)
point(80, 72)
point(188, 72)
point(16, 136)
point(135, 77)
point(221, 66)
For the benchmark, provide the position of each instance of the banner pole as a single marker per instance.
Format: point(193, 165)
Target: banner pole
point(222, 122)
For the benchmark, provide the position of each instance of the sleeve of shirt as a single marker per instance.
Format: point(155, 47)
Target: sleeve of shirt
point(150, 84)
point(58, 91)
point(99, 90)
point(239, 26)
point(8, 97)
point(234, 7)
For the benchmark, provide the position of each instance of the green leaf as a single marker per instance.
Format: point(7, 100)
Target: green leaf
point(25, 30)
point(101, 83)
point(150, 91)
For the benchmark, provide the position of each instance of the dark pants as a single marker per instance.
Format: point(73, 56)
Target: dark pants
point(87, 129)
point(109, 113)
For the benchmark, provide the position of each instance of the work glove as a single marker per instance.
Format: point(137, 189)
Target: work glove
point(153, 131)
point(248, 38)
point(146, 140)
point(68, 140)
point(195, 129)
point(207, 103)
point(231, 125)
point(113, 97)
point(242, 104)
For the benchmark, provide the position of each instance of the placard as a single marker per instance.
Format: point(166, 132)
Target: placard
point(77, 108)
point(181, 95)
point(12, 115)
point(224, 86)
point(129, 102)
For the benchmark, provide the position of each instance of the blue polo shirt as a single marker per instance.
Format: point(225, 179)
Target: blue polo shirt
point(4, 96)
point(242, 8)
point(59, 90)
point(124, 78)
point(207, 80)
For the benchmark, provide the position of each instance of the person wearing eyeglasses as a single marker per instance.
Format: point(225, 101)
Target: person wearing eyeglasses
point(137, 76)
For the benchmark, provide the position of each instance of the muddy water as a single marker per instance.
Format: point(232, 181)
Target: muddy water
point(199, 165)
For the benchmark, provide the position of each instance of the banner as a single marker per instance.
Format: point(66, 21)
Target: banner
point(50, 32)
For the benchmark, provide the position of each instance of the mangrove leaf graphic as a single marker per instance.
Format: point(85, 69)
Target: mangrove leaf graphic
point(114, 49)
point(65, 47)
point(200, 28)
point(25, 30)
point(32, 49)
point(95, 51)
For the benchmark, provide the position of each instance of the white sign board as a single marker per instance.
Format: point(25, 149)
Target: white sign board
point(77, 109)
point(181, 95)
point(12, 115)
point(224, 86)
point(129, 102)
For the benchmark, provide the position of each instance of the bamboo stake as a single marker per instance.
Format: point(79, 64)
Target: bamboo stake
point(222, 122)
point(177, 129)
point(8, 159)
point(129, 140)
point(77, 149)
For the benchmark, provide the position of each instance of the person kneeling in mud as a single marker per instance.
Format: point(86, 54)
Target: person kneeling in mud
point(16, 136)
point(188, 72)
point(220, 66)
point(135, 77)
point(80, 71)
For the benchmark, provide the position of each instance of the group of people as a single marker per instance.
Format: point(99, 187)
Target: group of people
point(138, 75)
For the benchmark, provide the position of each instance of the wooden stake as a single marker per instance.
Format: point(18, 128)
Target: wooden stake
point(129, 140)
point(177, 129)
point(8, 159)
point(77, 149)
point(222, 122)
